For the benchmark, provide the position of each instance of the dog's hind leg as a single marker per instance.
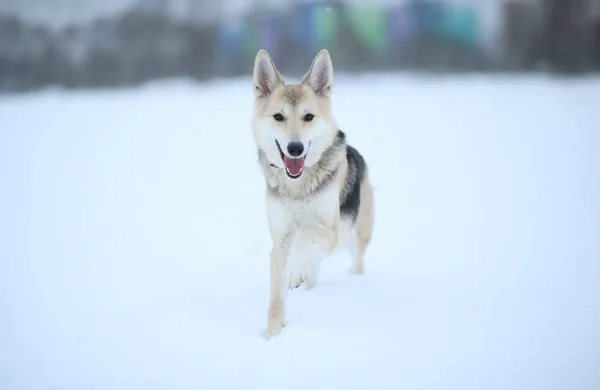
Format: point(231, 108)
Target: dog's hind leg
point(363, 227)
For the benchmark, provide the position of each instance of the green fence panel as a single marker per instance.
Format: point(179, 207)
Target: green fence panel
point(460, 22)
point(326, 22)
point(251, 40)
point(369, 24)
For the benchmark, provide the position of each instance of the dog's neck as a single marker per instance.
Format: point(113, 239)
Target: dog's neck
point(314, 179)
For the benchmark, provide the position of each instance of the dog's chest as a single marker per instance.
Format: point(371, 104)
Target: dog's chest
point(313, 210)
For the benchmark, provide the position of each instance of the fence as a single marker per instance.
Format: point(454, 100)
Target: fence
point(141, 44)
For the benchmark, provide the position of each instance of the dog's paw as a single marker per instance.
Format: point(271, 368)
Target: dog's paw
point(296, 272)
point(356, 269)
point(274, 328)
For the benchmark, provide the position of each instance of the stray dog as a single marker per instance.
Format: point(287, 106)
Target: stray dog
point(317, 188)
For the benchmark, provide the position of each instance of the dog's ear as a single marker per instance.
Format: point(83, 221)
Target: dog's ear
point(320, 75)
point(266, 76)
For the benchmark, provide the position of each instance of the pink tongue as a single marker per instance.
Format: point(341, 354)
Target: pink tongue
point(294, 165)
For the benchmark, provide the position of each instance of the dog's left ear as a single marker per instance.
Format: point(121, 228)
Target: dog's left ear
point(320, 75)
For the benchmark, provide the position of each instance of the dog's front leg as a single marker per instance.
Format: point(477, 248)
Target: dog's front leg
point(276, 314)
point(313, 243)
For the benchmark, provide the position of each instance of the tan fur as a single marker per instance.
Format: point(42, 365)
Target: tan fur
point(303, 214)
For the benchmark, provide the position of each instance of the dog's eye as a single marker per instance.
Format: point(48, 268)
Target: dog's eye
point(308, 117)
point(278, 117)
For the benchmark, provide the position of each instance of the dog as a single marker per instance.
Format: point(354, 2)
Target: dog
point(318, 195)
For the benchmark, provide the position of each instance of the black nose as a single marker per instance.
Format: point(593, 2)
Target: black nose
point(295, 148)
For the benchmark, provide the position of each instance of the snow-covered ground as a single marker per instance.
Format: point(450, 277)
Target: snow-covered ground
point(134, 247)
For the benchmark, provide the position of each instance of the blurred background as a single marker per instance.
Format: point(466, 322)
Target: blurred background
point(94, 43)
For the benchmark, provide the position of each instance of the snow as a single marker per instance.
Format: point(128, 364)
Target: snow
point(134, 247)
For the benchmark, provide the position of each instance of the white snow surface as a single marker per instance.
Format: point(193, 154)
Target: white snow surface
point(134, 245)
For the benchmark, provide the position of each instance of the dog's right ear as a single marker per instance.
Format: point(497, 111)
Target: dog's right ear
point(266, 76)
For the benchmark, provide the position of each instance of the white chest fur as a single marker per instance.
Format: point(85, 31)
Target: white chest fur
point(286, 215)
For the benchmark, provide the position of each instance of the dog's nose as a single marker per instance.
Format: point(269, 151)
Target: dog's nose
point(295, 148)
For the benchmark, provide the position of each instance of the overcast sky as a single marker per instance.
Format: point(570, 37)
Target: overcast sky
point(60, 12)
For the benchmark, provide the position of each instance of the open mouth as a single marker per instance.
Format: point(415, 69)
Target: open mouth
point(293, 166)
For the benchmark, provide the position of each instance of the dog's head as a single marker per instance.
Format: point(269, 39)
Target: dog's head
point(293, 124)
